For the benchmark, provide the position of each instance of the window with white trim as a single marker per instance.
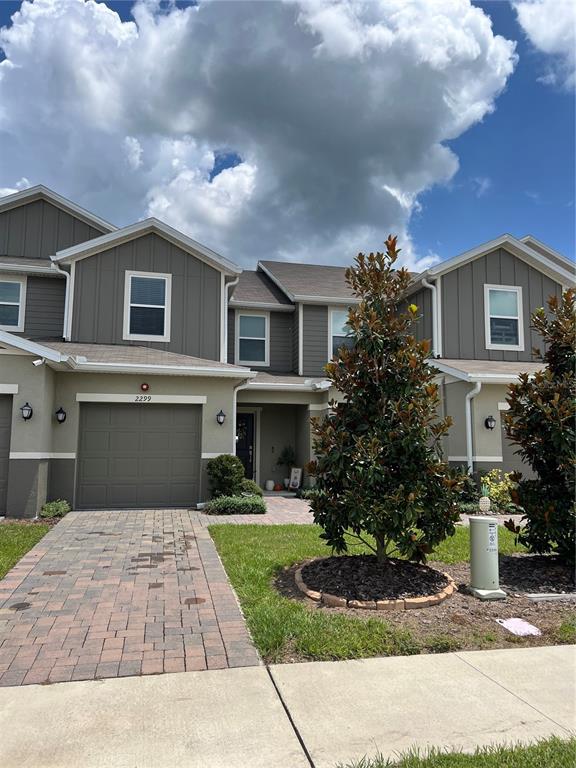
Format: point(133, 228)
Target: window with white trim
point(340, 332)
point(252, 338)
point(147, 301)
point(503, 317)
point(12, 299)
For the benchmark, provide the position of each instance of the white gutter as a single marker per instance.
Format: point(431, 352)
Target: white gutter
point(468, 406)
point(65, 329)
point(432, 287)
point(226, 298)
point(80, 364)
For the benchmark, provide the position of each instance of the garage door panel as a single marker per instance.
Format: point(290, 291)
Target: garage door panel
point(185, 467)
point(95, 441)
point(155, 442)
point(94, 468)
point(5, 432)
point(183, 443)
point(125, 468)
point(158, 466)
point(180, 494)
point(124, 441)
point(138, 456)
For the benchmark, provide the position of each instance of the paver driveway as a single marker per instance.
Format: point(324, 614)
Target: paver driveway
point(109, 594)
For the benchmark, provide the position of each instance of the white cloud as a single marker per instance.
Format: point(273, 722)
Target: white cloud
point(550, 25)
point(481, 185)
point(339, 112)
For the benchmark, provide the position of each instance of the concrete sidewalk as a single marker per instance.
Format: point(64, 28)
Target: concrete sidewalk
point(339, 711)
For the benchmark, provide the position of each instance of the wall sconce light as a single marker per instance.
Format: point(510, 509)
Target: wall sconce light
point(60, 415)
point(220, 417)
point(27, 411)
point(490, 422)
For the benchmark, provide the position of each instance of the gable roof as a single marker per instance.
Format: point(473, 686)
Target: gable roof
point(40, 192)
point(133, 231)
point(514, 246)
point(255, 289)
point(545, 250)
point(310, 283)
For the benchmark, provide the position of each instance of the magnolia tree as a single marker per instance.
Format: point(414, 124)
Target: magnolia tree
point(541, 422)
point(379, 467)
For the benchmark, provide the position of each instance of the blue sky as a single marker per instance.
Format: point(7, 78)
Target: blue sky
point(516, 167)
point(525, 149)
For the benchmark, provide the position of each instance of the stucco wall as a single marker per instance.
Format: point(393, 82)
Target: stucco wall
point(43, 452)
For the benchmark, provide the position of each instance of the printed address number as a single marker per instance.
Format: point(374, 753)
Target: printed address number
point(142, 398)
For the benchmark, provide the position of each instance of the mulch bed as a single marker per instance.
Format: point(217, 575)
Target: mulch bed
point(462, 622)
point(360, 577)
point(51, 521)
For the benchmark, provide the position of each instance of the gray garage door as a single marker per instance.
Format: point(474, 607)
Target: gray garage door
point(138, 456)
point(5, 427)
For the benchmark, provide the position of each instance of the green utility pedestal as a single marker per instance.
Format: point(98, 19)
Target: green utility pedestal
point(484, 577)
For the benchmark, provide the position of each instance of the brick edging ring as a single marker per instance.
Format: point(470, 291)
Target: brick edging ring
point(406, 603)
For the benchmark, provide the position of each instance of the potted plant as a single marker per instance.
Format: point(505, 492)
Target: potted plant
point(287, 459)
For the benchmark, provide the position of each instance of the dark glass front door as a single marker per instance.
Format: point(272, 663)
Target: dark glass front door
point(245, 442)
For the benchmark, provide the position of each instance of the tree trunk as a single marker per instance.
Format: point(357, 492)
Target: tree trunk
point(381, 546)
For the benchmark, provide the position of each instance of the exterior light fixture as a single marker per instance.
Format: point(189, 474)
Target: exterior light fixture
point(490, 422)
point(220, 417)
point(60, 415)
point(27, 411)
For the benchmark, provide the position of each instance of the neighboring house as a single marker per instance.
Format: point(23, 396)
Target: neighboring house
point(129, 357)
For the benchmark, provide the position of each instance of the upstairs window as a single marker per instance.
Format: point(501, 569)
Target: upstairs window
point(252, 339)
point(503, 317)
point(340, 332)
point(147, 306)
point(12, 294)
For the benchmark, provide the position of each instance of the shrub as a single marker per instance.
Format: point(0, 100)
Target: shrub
point(287, 458)
point(226, 475)
point(379, 467)
point(251, 488)
point(236, 505)
point(57, 508)
point(499, 487)
point(541, 422)
point(469, 493)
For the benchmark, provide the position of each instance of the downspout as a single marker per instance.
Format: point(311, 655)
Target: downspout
point(65, 329)
point(469, 449)
point(432, 287)
point(229, 285)
point(243, 384)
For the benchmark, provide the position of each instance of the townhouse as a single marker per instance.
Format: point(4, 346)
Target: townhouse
point(131, 356)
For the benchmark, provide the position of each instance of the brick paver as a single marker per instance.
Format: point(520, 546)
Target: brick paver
point(110, 594)
point(280, 511)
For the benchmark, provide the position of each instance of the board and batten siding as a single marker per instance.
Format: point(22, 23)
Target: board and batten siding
point(44, 315)
point(98, 310)
point(422, 328)
point(315, 339)
point(281, 333)
point(231, 336)
point(38, 229)
point(463, 320)
point(296, 340)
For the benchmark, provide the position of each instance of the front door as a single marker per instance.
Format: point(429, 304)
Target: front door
point(245, 442)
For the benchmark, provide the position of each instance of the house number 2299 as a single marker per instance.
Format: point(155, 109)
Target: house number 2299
point(142, 398)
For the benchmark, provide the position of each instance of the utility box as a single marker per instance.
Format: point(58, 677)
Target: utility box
point(484, 576)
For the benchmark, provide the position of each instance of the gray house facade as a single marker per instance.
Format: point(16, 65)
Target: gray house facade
point(131, 356)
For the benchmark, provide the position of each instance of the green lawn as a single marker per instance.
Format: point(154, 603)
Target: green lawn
point(552, 753)
point(15, 540)
point(284, 628)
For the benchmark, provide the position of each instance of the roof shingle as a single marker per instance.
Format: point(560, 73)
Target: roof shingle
point(310, 280)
